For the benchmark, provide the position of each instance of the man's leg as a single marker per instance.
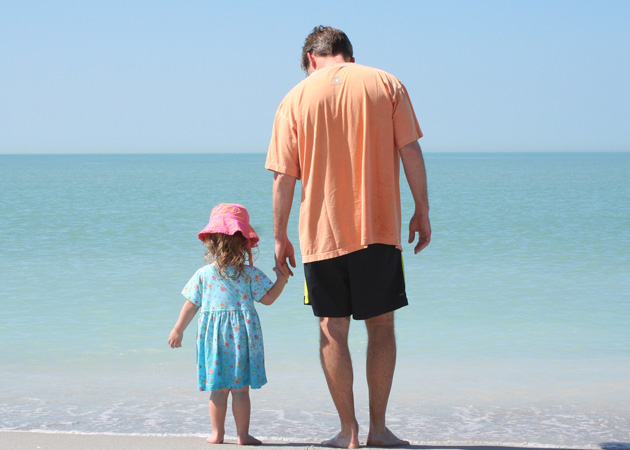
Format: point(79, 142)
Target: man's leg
point(337, 365)
point(381, 362)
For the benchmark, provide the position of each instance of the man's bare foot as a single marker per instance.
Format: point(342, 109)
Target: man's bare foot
point(343, 440)
point(248, 440)
point(215, 439)
point(386, 439)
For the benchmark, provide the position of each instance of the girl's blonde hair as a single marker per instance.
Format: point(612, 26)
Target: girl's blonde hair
point(226, 250)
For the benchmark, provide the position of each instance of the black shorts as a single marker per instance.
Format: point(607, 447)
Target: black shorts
point(364, 284)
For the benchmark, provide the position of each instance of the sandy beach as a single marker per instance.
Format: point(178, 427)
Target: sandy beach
point(24, 440)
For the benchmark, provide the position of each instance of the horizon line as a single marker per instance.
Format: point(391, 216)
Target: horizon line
point(462, 152)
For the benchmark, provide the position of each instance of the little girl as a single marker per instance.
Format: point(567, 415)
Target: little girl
point(230, 355)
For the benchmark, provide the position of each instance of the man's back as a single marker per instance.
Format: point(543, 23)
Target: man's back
point(339, 130)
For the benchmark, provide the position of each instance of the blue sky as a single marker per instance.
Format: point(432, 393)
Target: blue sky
point(203, 76)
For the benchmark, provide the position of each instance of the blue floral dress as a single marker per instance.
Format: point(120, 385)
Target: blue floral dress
point(230, 351)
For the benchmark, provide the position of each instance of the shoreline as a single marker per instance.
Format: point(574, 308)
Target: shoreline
point(53, 440)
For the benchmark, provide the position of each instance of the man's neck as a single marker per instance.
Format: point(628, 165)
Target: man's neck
point(322, 62)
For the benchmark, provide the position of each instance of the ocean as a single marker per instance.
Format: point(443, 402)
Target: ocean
point(517, 332)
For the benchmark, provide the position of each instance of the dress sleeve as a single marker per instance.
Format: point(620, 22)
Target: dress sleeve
point(260, 284)
point(194, 288)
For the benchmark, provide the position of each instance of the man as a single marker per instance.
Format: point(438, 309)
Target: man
point(343, 131)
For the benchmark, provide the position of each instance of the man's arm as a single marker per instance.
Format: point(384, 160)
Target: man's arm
point(283, 189)
point(413, 164)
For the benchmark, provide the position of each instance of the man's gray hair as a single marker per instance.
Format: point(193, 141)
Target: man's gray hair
point(324, 41)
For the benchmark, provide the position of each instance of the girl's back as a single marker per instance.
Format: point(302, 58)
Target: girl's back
point(230, 354)
point(226, 293)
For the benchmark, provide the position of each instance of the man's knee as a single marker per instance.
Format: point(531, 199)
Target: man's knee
point(380, 330)
point(380, 322)
point(334, 329)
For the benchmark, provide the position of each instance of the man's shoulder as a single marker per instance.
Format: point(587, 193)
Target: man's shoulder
point(293, 93)
point(371, 75)
point(371, 70)
point(317, 83)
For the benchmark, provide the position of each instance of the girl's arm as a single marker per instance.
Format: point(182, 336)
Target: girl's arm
point(185, 316)
point(275, 291)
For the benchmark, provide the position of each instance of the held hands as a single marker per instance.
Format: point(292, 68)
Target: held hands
point(282, 278)
point(420, 223)
point(282, 273)
point(284, 251)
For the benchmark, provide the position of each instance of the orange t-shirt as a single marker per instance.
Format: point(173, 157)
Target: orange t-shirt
point(339, 131)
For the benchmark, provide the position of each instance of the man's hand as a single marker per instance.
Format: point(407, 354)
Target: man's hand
point(283, 189)
point(284, 251)
point(420, 223)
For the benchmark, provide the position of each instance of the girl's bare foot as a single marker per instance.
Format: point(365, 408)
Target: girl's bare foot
point(386, 439)
point(343, 440)
point(248, 440)
point(215, 439)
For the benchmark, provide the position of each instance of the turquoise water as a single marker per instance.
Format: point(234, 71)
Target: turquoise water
point(517, 329)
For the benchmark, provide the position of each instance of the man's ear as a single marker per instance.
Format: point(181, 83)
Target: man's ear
point(312, 63)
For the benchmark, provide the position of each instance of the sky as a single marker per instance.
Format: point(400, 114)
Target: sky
point(206, 76)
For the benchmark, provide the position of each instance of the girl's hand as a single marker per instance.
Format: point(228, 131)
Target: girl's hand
point(282, 278)
point(282, 272)
point(185, 316)
point(175, 339)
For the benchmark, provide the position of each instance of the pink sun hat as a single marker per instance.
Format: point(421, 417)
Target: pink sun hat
point(228, 218)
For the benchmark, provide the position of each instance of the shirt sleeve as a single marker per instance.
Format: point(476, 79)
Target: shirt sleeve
point(283, 156)
point(260, 284)
point(406, 127)
point(194, 288)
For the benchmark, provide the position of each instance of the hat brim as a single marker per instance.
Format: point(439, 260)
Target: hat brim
point(249, 234)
